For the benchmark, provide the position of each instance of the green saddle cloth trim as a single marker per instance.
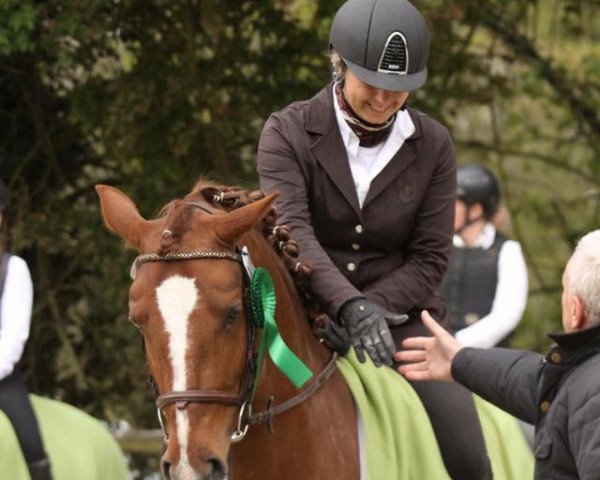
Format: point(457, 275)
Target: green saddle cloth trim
point(400, 442)
point(79, 446)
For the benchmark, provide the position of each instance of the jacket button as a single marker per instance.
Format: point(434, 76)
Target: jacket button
point(351, 266)
point(555, 357)
point(544, 406)
point(355, 246)
point(358, 228)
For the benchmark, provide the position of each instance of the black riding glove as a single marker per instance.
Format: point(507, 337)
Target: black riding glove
point(367, 325)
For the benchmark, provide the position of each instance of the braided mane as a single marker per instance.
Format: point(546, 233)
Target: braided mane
point(278, 236)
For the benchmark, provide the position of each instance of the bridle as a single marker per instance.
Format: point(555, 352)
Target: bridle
point(243, 398)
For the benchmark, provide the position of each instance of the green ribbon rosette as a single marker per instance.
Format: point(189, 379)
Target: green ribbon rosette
point(263, 303)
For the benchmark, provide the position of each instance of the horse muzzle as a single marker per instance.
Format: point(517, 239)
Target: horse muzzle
point(211, 469)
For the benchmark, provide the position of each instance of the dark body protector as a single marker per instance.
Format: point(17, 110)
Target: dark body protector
point(559, 393)
point(393, 251)
point(470, 284)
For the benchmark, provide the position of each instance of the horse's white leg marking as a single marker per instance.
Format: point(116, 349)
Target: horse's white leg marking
point(177, 297)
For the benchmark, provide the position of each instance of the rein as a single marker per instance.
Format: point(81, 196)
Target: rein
point(244, 398)
point(270, 412)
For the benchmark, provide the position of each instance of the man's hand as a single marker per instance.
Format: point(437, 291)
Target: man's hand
point(429, 358)
point(367, 325)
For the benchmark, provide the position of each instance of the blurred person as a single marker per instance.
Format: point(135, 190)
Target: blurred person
point(16, 299)
point(367, 186)
point(559, 392)
point(486, 282)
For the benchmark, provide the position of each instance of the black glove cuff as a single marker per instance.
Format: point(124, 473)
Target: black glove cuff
point(346, 309)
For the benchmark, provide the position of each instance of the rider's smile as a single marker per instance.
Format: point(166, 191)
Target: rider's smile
point(373, 105)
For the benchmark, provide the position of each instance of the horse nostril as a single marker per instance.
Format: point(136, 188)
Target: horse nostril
point(218, 469)
point(166, 469)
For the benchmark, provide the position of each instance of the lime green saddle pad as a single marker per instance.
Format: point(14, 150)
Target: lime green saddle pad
point(79, 446)
point(509, 452)
point(399, 440)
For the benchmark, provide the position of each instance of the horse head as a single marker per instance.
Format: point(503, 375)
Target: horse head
point(187, 300)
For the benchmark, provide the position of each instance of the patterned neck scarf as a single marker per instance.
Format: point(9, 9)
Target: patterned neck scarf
point(369, 134)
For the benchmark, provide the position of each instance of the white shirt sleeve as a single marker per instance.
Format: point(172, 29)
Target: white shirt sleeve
point(509, 301)
point(15, 314)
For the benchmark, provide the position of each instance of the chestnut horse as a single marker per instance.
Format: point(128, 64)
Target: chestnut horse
point(188, 300)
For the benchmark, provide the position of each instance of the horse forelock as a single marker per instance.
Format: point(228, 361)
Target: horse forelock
point(177, 215)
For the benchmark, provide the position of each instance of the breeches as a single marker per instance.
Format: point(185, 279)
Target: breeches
point(15, 403)
point(453, 417)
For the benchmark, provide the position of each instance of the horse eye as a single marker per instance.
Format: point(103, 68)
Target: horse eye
point(233, 312)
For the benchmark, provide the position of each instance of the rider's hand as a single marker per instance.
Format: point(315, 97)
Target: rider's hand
point(367, 325)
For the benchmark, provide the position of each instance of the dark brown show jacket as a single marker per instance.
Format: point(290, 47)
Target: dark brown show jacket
point(395, 249)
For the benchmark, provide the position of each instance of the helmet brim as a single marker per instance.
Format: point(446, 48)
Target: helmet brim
point(388, 81)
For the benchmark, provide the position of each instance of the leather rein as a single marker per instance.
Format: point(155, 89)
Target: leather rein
point(243, 399)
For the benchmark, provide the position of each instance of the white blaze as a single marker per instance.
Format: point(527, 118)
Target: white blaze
point(177, 297)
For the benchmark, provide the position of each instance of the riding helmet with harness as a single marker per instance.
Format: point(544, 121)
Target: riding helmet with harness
point(385, 43)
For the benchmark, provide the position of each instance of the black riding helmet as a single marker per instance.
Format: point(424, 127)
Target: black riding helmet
point(477, 184)
point(4, 196)
point(385, 43)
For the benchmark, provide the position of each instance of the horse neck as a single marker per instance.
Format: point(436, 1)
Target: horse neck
point(311, 429)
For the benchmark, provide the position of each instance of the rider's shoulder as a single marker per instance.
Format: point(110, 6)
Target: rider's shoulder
point(426, 124)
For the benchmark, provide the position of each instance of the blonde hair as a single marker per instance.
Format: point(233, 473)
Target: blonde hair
point(338, 66)
point(583, 275)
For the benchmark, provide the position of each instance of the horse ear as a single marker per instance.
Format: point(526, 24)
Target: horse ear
point(121, 216)
point(230, 227)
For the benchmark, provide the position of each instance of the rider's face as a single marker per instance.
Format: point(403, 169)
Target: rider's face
point(373, 105)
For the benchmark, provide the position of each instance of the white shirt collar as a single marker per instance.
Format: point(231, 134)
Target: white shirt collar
point(484, 241)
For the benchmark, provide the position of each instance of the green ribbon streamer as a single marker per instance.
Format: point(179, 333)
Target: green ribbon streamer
point(263, 311)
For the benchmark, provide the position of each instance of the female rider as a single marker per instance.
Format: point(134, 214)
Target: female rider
point(367, 186)
point(486, 282)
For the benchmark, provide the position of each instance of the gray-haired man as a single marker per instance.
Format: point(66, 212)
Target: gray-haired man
point(560, 392)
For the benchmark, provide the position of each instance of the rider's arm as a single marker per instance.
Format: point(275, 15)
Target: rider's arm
point(509, 301)
point(280, 170)
point(15, 314)
point(507, 378)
